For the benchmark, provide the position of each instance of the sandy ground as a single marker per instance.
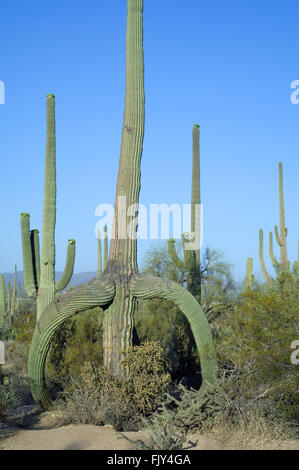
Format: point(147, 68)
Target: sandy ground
point(82, 437)
point(29, 428)
point(89, 437)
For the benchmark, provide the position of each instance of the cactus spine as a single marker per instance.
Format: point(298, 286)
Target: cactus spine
point(191, 263)
point(120, 285)
point(39, 274)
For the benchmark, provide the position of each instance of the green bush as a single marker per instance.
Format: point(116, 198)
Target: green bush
point(96, 397)
point(256, 342)
point(8, 394)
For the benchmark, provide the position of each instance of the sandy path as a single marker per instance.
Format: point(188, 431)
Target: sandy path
point(82, 437)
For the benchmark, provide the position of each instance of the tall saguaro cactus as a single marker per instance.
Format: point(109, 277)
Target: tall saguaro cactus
point(280, 236)
point(39, 271)
point(191, 262)
point(120, 286)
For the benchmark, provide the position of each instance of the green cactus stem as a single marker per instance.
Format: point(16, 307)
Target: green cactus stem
point(2, 299)
point(249, 275)
point(13, 296)
point(102, 263)
point(105, 247)
point(39, 270)
point(191, 263)
point(100, 267)
point(283, 231)
point(8, 298)
point(69, 266)
point(271, 252)
point(28, 263)
point(120, 285)
point(261, 255)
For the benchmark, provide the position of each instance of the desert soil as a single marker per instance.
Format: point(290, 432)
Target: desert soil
point(32, 429)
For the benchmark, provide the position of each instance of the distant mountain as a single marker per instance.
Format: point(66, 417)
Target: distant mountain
point(77, 278)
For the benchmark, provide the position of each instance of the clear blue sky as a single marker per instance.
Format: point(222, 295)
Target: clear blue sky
point(225, 65)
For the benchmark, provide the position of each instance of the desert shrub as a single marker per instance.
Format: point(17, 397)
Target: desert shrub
point(96, 397)
point(8, 394)
point(256, 342)
point(161, 432)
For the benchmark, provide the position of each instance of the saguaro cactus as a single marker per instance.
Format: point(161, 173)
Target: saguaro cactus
point(120, 285)
point(191, 262)
point(39, 274)
point(13, 296)
point(280, 235)
point(249, 276)
point(2, 299)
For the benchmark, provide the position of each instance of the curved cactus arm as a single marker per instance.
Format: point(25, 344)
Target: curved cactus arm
point(29, 281)
point(98, 292)
point(272, 256)
point(69, 266)
point(173, 255)
point(34, 236)
point(261, 255)
point(146, 287)
point(277, 236)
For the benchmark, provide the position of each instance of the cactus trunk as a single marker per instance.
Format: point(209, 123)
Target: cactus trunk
point(119, 318)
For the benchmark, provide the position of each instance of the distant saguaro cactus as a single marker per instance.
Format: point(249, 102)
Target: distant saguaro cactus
point(121, 285)
point(39, 272)
point(249, 275)
point(191, 262)
point(2, 299)
point(280, 235)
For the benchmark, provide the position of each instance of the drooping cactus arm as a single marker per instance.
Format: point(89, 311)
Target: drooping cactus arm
point(29, 281)
point(146, 287)
point(261, 255)
point(35, 247)
point(98, 292)
point(173, 255)
point(272, 256)
point(69, 266)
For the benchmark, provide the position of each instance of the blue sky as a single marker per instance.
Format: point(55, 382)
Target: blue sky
point(225, 65)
